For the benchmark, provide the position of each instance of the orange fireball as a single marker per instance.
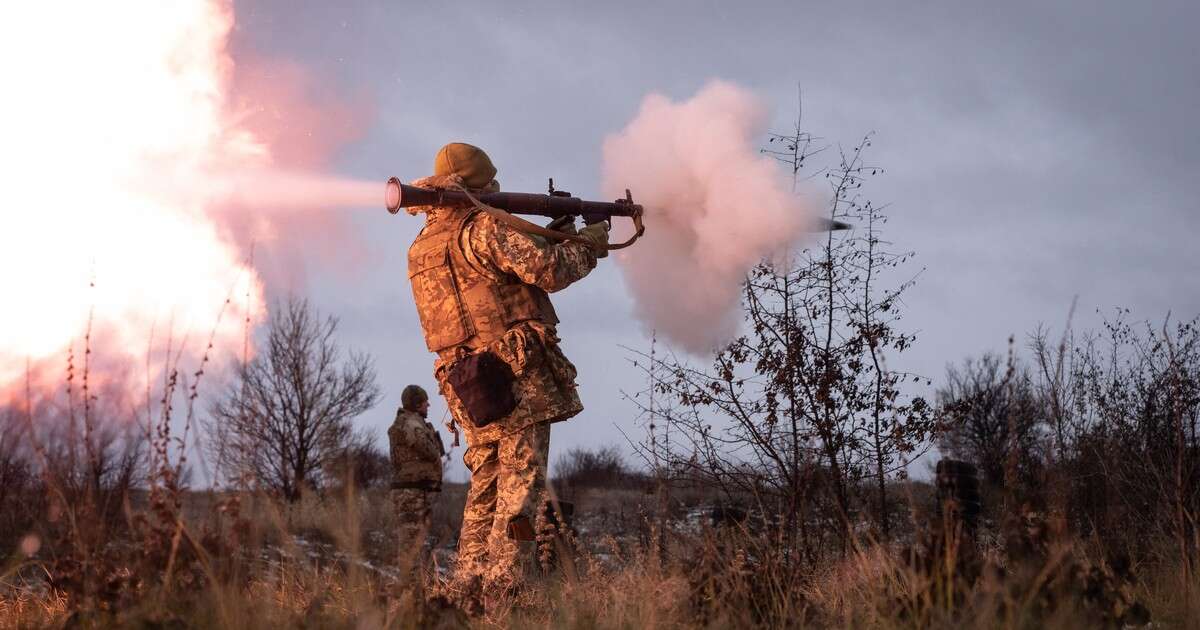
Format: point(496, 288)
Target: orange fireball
point(115, 122)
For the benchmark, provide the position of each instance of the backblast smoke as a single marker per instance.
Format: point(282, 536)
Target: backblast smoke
point(124, 152)
point(715, 206)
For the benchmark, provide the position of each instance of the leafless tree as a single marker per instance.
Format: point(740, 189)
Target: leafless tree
point(896, 426)
point(289, 413)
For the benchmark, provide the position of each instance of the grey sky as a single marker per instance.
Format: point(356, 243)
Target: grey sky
point(1032, 153)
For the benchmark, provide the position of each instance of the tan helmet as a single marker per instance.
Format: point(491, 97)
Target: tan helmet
point(412, 397)
point(467, 161)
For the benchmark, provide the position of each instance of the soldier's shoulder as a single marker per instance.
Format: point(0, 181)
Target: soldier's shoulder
point(410, 419)
point(480, 222)
point(480, 233)
point(485, 232)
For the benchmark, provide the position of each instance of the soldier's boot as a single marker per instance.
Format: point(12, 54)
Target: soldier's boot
point(500, 597)
point(467, 594)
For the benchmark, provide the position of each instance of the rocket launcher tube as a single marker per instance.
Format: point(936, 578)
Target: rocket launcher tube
point(504, 205)
point(553, 206)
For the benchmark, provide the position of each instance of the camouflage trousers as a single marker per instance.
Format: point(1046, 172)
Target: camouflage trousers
point(412, 511)
point(507, 481)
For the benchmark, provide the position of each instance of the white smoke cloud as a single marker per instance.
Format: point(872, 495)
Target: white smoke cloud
point(715, 206)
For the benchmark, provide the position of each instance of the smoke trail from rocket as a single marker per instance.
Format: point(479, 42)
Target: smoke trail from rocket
point(122, 148)
point(715, 206)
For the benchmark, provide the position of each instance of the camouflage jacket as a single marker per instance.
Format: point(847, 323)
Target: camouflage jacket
point(416, 450)
point(514, 270)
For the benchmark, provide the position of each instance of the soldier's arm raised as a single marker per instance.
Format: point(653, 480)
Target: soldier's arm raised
point(505, 250)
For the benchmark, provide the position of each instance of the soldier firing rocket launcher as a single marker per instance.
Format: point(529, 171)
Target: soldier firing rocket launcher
point(557, 204)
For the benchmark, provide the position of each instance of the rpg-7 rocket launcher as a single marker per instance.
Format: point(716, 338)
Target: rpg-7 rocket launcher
point(557, 204)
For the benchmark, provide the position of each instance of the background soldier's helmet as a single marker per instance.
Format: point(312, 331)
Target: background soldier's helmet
point(412, 397)
point(467, 161)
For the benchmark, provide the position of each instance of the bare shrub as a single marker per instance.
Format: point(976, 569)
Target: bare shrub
point(1100, 428)
point(586, 468)
point(18, 482)
point(362, 463)
point(1122, 413)
point(989, 408)
point(287, 416)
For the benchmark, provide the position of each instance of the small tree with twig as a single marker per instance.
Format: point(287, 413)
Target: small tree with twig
point(801, 409)
point(288, 415)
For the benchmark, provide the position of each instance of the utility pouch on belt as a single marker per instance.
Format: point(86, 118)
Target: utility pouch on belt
point(483, 383)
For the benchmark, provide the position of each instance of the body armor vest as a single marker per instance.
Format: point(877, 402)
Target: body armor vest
point(459, 304)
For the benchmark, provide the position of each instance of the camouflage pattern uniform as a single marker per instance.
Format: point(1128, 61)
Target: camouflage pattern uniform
point(481, 285)
point(416, 451)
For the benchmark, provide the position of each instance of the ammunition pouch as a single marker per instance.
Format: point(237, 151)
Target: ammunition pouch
point(483, 383)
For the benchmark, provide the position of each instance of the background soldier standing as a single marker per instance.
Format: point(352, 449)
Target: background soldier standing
point(480, 288)
point(417, 454)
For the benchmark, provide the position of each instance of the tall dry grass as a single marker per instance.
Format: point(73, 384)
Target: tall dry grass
point(326, 562)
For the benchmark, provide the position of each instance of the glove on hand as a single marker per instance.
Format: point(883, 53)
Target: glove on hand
point(566, 225)
point(597, 233)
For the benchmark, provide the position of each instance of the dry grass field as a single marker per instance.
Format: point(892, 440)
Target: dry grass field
point(248, 561)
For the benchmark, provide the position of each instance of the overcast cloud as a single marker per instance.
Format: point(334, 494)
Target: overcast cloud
point(1032, 153)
